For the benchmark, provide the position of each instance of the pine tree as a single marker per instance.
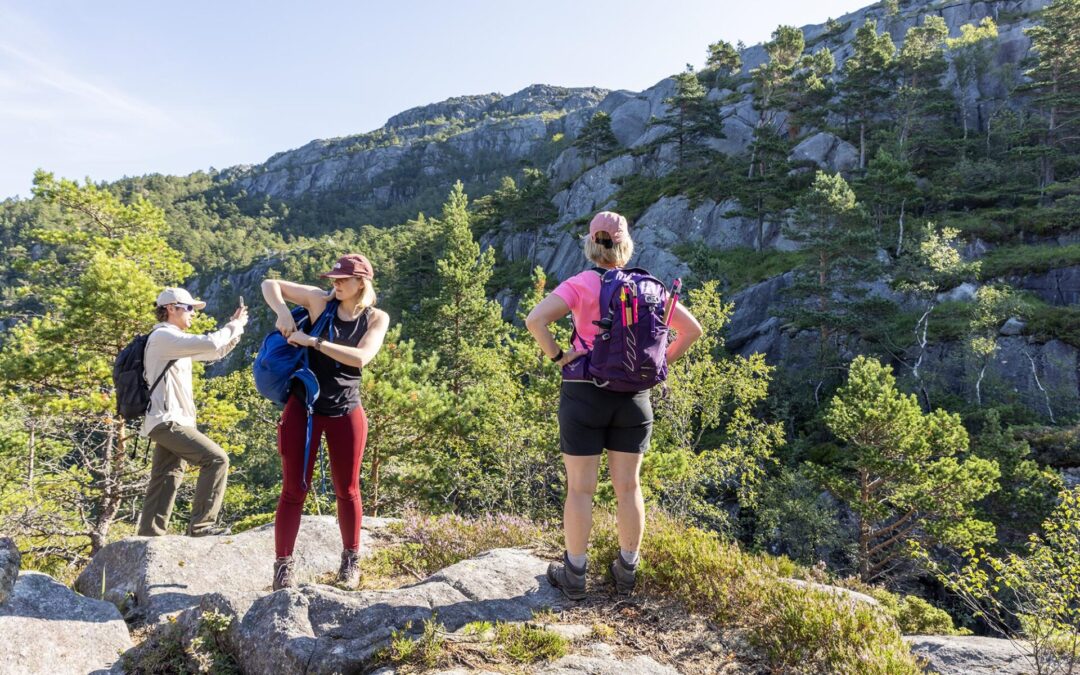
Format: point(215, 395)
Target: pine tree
point(596, 139)
point(921, 103)
point(1055, 83)
point(906, 473)
point(459, 323)
point(692, 117)
point(829, 225)
point(868, 79)
point(726, 61)
point(775, 90)
point(972, 53)
point(97, 288)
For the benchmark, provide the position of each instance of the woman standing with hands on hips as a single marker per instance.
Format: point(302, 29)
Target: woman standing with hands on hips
point(593, 418)
point(355, 336)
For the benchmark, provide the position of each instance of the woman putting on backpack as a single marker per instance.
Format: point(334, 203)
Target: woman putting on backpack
point(618, 351)
point(336, 358)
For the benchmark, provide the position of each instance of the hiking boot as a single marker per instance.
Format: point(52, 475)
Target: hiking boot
point(284, 573)
point(568, 579)
point(625, 575)
point(349, 573)
point(212, 531)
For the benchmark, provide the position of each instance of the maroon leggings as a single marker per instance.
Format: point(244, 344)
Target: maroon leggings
point(345, 439)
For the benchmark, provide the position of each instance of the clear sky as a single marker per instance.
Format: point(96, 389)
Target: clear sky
point(123, 87)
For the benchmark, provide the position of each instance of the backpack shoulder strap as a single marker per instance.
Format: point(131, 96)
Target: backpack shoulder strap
point(167, 365)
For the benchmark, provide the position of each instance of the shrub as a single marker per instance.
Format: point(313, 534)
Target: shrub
point(814, 631)
point(817, 631)
point(431, 543)
point(914, 615)
point(424, 650)
point(526, 644)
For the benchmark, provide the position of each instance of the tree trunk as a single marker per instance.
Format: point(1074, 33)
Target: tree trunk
point(862, 144)
point(30, 460)
point(109, 502)
point(864, 527)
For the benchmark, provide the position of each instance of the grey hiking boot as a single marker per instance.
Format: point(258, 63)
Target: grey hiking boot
point(284, 573)
point(349, 573)
point(567, 578)
point(625, 575)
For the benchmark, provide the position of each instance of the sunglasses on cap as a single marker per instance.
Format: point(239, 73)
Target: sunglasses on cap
point(604, 241)
point(183, 306)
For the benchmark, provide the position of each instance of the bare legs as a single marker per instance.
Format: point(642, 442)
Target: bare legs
point(581, 476)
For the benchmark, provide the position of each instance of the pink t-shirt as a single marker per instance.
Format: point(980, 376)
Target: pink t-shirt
point(581, 293)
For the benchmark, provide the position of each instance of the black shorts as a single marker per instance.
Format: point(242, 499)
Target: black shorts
point(592, 419)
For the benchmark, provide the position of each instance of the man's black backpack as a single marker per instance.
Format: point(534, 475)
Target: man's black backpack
point(132, 392)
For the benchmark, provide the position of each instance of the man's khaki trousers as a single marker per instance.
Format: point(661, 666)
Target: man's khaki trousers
point(173, 445)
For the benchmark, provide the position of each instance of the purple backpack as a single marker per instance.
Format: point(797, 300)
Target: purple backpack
point(629, 353)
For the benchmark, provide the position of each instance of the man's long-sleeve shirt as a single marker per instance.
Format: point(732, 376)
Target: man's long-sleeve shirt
point(172, 400)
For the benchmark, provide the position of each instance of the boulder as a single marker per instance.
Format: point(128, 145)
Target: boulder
point(10, 559)
point(319, 629)
point(1058, 287)
point(148, 578)
point(1014, 326)
point(970, 655)
point(842, 593)
point(827, 151)
point(48, 628)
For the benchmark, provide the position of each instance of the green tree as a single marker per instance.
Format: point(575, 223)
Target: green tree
point(725, 60)
point(888, 189)
point(1055, 84)
point(405, 405)
point(921, 103)
point(97, 289)
point(907, 474)
point(972, 54)
point(708, 441)
point(596, 139)
point(828, 224)
point(1029, 491)
point(458, 323)
point(934, 266)
point(692, 118)
point(775, 88)
point(868, 80)
point(1032, 598)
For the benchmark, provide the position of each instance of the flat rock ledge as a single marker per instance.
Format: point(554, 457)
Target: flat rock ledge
point(151, 578)
point(45, 627)
point(970, 655)
point(322, 629)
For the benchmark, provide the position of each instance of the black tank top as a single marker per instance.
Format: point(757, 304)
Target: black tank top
point(339, 384)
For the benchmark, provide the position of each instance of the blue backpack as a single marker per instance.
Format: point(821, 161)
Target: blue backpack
point(278, 363)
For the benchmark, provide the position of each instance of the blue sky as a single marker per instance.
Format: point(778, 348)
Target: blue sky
point(115, 88)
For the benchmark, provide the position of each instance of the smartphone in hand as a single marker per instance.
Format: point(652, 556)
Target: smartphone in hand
point(241, 301)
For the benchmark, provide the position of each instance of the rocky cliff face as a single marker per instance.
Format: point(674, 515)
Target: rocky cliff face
point(469, 138)
point(478, 138)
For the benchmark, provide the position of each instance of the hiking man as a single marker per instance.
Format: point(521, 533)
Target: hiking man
point(597, 415)
point(170, 421)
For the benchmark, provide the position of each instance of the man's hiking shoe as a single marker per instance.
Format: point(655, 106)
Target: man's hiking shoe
point(625, 575)
point(284, 573)
point(349, 573)
point(567, 578)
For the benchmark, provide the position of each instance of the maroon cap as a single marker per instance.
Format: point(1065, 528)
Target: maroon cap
point(350, 265)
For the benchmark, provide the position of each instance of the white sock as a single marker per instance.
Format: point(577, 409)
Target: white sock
point(578, 561)
point(629, 557)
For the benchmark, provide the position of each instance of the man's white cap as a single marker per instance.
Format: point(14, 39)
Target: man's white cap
point(178, 295)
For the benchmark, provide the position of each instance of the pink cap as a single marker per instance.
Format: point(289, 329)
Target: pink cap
point(610, 222)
